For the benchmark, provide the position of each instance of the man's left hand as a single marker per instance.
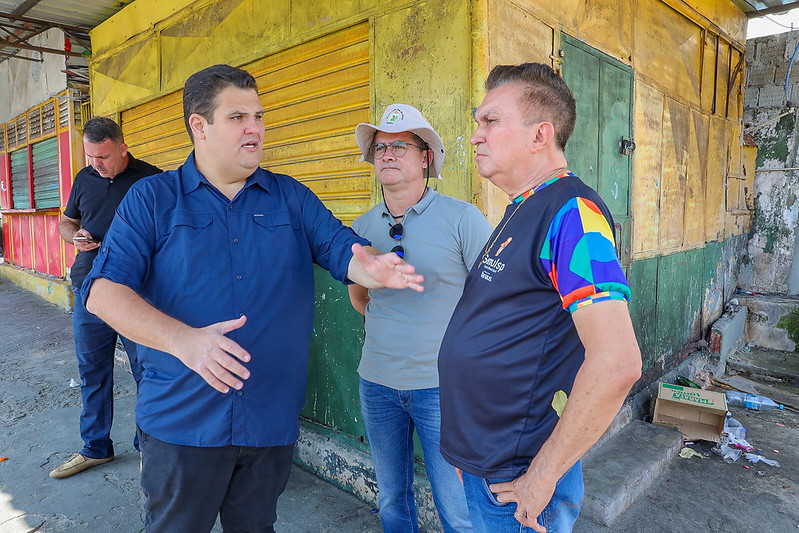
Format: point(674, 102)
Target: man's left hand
point(531, 496)
point(388, 270)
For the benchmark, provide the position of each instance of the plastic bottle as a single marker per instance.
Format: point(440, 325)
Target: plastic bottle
point(752, 401)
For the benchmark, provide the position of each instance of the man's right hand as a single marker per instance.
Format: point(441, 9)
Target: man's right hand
point(84, 245)
point(215, 357)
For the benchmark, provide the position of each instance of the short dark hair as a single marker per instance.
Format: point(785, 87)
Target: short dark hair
point(546, 96)
point(98, 129)
point(202, 88)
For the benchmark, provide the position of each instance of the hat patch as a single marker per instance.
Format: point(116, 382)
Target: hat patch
point(394, 116)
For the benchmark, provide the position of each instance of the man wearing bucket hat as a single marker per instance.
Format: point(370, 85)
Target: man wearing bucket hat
point(398, 372)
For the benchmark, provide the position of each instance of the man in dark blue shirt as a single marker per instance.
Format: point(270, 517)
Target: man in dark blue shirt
point(540, 351)
point(210, 269)
point(97, 191)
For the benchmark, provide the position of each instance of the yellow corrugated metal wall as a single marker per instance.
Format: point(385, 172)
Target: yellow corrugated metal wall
point(313, 96)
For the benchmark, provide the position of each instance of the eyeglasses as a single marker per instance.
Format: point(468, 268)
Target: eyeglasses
point(398, 148)
point(395, 232)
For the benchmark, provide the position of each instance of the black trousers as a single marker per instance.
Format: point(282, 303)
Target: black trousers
point(186, 487)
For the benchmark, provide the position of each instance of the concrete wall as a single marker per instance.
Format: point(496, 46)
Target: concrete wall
point(24, 84)
point(770, 265)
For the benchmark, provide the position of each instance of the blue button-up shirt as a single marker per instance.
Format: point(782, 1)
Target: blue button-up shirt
point(203, 258)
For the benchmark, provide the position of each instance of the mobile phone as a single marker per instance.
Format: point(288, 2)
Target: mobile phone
point(81, 238)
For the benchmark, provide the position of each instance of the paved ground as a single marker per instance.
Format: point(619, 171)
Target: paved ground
point(711, 495)
point(39, 428)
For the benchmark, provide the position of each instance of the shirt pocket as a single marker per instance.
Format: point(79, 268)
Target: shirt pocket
point(178, 221)
point(183, 240)
point(280, 241)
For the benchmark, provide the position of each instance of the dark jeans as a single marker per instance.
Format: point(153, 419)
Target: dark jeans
point(186, 487)
point(95, 343)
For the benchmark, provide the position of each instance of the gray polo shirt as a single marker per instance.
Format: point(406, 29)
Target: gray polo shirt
point(442, 238)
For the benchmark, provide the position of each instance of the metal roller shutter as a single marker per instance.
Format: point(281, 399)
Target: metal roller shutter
point(45, 174)
point(20, 190)
point(313, 94)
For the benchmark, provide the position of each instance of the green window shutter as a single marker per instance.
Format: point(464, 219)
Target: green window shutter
point(45, 174)
point(19, 179)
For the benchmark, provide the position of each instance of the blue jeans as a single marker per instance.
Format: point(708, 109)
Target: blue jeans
point(492, 516)
point(95, 343)
point(390, 416)
point(186, 487)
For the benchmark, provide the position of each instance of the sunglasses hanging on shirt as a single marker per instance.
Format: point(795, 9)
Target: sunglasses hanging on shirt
point(395, 232)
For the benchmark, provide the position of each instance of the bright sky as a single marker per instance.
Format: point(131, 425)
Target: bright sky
point(772, 24)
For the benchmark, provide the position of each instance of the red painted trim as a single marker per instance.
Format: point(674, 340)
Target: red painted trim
point(55, 260)
point(5, 181)
point(8, 249)
point(26, 241)
point(39, 244)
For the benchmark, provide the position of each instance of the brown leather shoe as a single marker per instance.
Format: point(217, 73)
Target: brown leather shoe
point(76, 465)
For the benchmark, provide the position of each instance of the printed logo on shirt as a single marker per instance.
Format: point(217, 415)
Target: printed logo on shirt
point(503, 245)
point(492, 265)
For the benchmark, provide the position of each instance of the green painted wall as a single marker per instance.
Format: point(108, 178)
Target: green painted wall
point(332, 395)
point(677, 297)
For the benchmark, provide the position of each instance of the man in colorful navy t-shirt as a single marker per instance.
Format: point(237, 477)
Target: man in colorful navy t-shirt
point(540, 351)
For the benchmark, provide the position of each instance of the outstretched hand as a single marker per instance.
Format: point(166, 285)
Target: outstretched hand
point(387, 270)
point(215, 357)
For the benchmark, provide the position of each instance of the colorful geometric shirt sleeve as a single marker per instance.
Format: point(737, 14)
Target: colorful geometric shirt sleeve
point(579, 256)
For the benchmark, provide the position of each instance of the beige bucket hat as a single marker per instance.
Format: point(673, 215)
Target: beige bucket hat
point(396, 119)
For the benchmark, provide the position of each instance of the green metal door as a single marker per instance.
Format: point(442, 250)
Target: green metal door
point(599, 150)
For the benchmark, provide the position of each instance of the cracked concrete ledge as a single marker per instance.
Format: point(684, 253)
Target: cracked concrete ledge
point(320, 451)
point(53, 290)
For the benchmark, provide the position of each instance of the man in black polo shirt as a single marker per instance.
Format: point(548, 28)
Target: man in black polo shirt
point(540, 351)
point(97, 191)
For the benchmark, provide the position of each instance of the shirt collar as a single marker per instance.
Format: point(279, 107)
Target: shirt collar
point(522, 197)
point(420, 206)
point(191, 177)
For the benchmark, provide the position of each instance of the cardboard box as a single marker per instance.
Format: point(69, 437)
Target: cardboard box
point(697, 413)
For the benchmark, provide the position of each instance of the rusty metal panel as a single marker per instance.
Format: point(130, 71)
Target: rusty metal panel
point(724, 15)
point(695, 182)
point(129, 75)
point(668, 49)
point(516, 36)
point(714, 179)
point(722, 77)
point(647, 166)
point(709, 56)
point(676, 139)
point(736, 85)
point(223, 31)
point(604, 24)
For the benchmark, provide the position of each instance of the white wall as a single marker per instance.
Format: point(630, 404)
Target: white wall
point(24, 84)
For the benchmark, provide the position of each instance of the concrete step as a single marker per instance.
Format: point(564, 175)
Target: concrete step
point(767, 365)
point(622, 468)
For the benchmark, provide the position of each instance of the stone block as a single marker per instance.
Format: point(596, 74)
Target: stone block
point(728, 333)
point(765, 312)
